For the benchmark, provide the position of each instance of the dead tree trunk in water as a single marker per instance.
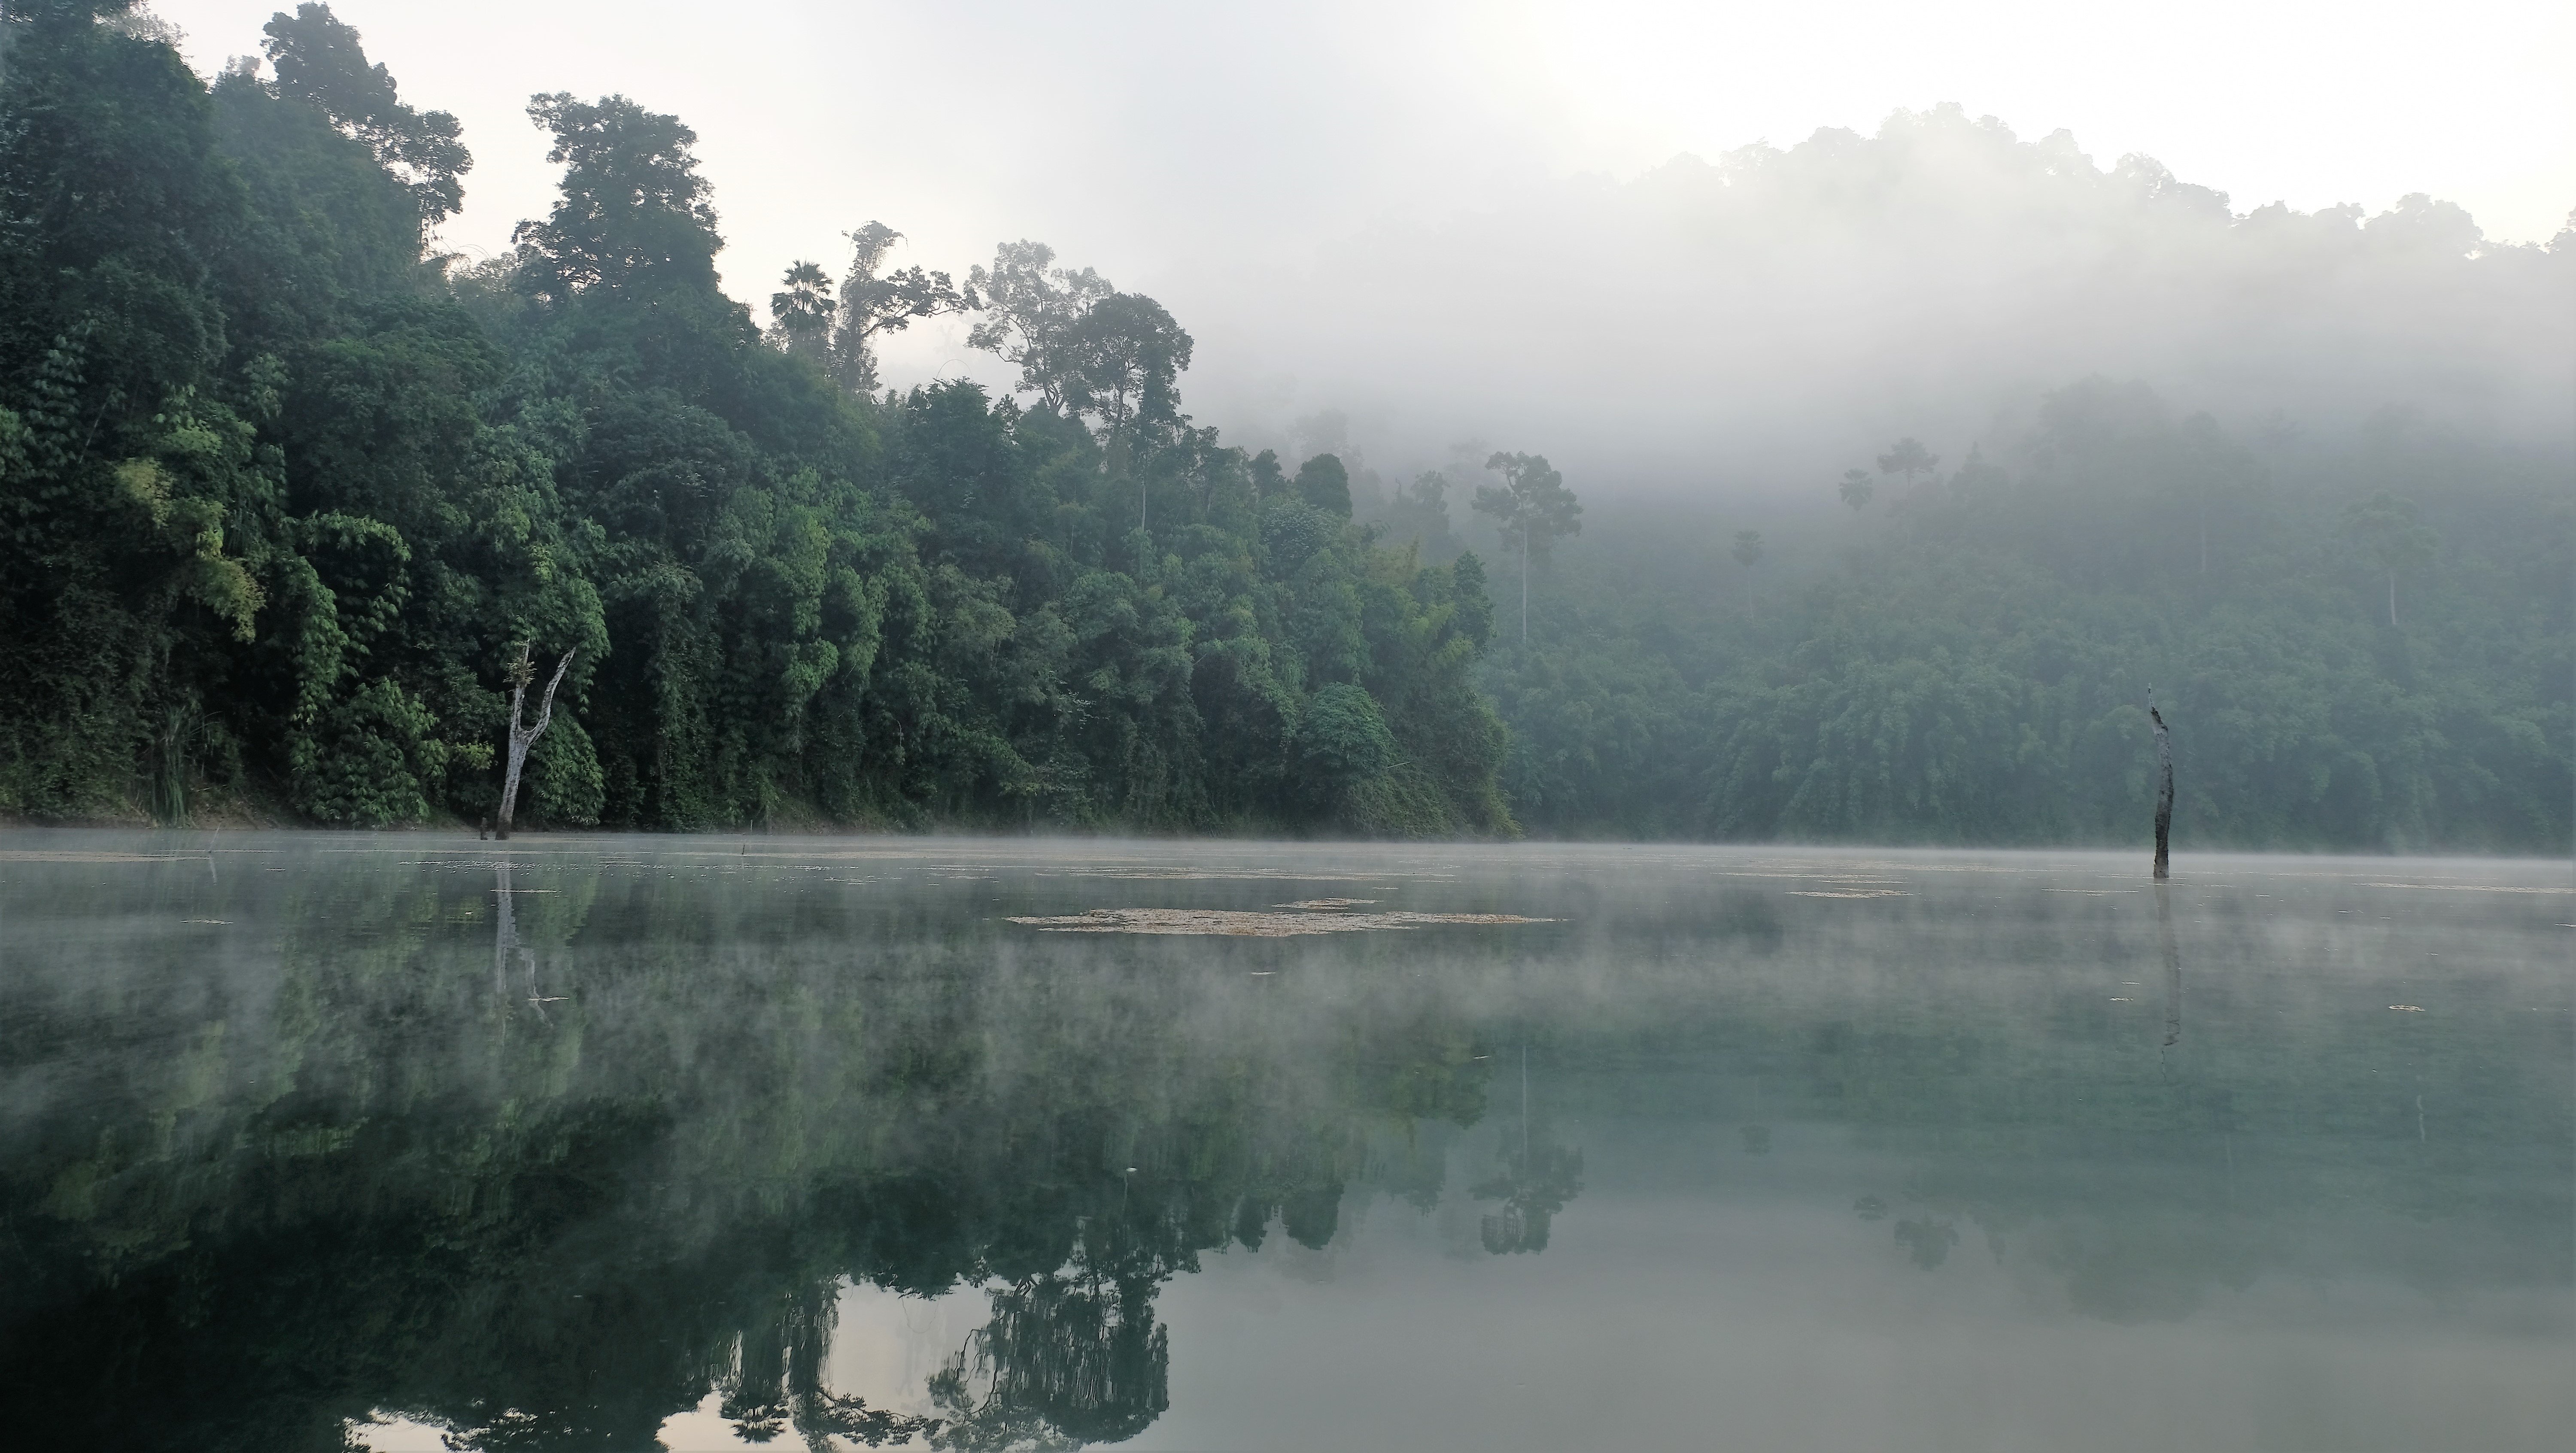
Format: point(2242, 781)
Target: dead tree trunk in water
point(2164, 789)
point(524, 737)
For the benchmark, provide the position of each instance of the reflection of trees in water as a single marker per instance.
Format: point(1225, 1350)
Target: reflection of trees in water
point(1926, 1240)
point(401, 1189)
point(1064, 1361)
point(1537, 1180)
point(1061, 1362)
point(1533, 1188)
point(776, 1382)
point(373, 1178)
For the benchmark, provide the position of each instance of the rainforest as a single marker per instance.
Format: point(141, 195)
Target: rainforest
point(286, 489)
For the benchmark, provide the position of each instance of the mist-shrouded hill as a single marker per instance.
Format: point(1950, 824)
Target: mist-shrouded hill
point(1738, 325)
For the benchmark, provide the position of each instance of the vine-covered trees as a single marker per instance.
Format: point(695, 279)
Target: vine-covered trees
point(284, 497)
point(875, 302)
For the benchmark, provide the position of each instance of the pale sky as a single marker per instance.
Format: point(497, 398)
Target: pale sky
point(1202, 153)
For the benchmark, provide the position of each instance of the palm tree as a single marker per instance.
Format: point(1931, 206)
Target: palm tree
point(1748, 553)
point(800, 318)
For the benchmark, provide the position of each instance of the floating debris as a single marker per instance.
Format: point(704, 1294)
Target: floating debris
point(1236, 924)
point(1849, 893)
point(1212, 875)
point(2407, 1008)
point(31, 855)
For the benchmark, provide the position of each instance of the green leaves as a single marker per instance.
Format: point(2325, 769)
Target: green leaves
point(318, 61)
point(634, 210)
point(273, 475)
point(1532, 507)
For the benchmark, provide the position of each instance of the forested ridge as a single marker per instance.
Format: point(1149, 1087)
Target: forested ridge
point(284, 491)
point(2362, 643)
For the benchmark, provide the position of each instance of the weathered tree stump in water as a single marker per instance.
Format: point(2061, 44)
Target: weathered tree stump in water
point(2164, 789)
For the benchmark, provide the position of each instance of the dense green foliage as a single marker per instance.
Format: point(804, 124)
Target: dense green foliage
point(2360, 643)
point(283, 496)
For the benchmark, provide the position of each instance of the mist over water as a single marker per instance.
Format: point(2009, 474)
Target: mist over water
point(595, 1141)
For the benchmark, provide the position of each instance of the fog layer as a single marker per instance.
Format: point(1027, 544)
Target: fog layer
point(1760, 320)
point(1541, 227)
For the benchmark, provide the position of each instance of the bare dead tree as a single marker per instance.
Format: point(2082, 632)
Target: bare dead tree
point(2164, 790)
point(524, 737)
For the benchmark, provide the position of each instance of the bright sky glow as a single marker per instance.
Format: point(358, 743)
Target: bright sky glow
point(1121, 124)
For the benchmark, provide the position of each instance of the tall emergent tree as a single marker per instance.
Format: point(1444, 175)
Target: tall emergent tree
point(1533, 508)
point(874, 303)
point(633, 206)
point(2387, 533)
point(1907, 457)
point(1031, 308)
point(1127, 355)
point(318, 60)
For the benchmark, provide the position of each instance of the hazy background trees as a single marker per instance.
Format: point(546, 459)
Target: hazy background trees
point(1750, 319)
point(1968, 662)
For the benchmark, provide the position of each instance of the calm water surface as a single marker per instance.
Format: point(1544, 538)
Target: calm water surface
point(311, 1142)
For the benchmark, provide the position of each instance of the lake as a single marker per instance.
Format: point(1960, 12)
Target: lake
point(317, 1141)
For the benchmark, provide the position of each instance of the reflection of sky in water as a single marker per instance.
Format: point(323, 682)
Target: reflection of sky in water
point(1868, 1149)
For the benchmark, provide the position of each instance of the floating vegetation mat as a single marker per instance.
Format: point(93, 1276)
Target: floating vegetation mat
point(42, 855)
point(1252, 925)
point(1231, 875)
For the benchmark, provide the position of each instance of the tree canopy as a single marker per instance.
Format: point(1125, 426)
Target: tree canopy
point(286, 495)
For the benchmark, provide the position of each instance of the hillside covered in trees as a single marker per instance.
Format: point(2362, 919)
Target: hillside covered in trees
point(2362, 643)
point(284, 491)
point(284, 495)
